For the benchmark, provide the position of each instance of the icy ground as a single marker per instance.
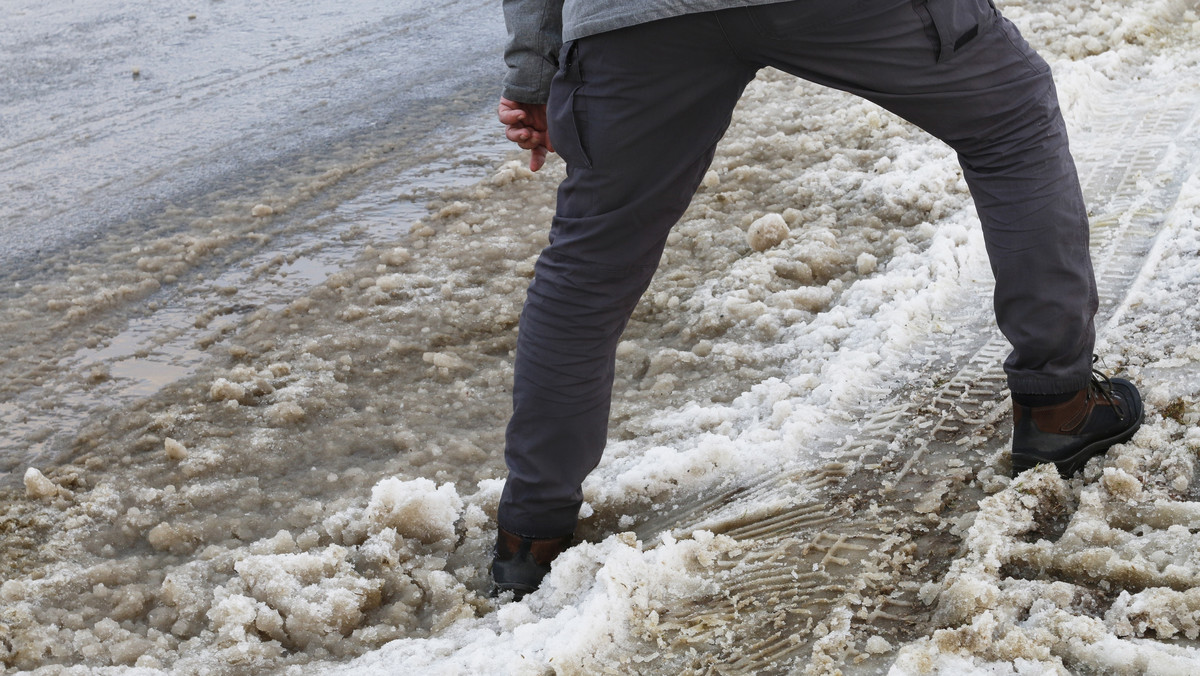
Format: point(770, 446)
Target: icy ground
point(807, 470)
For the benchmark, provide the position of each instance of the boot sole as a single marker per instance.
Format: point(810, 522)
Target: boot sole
point(519, 591)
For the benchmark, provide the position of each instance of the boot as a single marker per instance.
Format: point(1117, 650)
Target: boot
point(1068, 434)
point(519, 563)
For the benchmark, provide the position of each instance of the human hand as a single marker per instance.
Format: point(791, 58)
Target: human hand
point(525, 125)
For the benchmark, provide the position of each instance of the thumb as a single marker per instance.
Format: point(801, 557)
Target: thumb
point(537, 158)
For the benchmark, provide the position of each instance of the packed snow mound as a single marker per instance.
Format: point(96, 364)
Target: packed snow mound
point(1097, 574)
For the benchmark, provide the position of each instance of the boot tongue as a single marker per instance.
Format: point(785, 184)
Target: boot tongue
point(1064, 417)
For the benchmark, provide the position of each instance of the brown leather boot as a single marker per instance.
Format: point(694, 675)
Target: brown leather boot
point(1105, 413)
point(519, 563)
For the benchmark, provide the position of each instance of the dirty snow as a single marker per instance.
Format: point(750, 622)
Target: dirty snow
point(319, 494)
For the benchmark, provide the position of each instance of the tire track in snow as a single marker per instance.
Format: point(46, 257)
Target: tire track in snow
point(818, 578)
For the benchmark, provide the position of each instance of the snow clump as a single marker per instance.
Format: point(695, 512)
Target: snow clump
point(767, 232)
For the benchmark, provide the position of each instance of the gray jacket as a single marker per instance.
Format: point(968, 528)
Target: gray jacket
point(537, 29)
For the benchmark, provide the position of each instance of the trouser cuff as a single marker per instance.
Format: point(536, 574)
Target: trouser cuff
point(1041, 386)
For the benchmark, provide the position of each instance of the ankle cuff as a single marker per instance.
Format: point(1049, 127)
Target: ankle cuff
point(1038, 400)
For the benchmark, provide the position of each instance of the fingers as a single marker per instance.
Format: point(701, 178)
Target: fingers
point(527, 138)
point(510, 116)
point(518, 135)
point(531, 115)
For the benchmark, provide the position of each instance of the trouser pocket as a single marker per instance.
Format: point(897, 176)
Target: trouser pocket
point(563, 117)
point(953, 25)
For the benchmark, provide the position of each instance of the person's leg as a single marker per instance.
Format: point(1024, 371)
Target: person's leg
point(636, 113)
point(962, 72)
point(993, 100)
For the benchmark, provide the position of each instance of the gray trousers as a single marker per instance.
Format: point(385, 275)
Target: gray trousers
point(637, 113)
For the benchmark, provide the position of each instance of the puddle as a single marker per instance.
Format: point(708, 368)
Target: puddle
point(184, 324)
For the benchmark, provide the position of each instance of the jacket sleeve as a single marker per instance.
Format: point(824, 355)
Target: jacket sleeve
point(534, 40)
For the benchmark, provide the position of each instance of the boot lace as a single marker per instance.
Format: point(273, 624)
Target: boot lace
point(1101, 387)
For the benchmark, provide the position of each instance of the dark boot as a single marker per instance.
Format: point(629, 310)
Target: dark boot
point(519, 563)
point(1105, 413)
